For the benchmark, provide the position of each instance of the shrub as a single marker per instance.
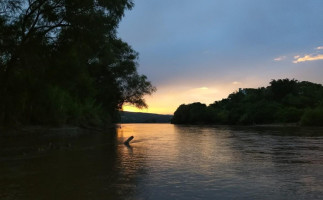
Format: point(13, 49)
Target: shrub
point(313, 117)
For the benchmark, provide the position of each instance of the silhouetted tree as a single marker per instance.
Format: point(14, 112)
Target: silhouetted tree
point(193, 113)
point(62, 62)
point(281, 87)
point(284, 101)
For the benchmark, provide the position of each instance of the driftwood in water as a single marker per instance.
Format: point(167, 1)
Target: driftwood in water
point(128, 140)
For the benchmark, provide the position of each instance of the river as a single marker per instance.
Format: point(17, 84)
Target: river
point(163, 161)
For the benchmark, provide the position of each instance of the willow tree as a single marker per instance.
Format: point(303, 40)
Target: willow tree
point(61, 61)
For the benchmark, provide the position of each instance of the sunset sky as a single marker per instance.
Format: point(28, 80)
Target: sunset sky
point(201, 51)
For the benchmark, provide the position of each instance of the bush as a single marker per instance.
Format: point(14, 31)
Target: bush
point(313, 117)
point(289, 115)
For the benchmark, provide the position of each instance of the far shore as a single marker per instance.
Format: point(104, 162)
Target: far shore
point(279, 125)
point(258, 125)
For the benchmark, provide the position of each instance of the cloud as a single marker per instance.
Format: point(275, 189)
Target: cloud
point(280, 58)
point(308, 57)
point(236, 83)
point(203, 88)
point(319, 48)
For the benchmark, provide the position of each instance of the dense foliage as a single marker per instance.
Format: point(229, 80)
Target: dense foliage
point(283, 101)
point(61, 62)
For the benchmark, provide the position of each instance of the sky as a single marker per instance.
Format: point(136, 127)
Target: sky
point(201, 51)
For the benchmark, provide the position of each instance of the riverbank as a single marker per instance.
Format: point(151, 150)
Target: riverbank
point(60, 130)
point(279, 125)
point(33, 141)
point(54, 163)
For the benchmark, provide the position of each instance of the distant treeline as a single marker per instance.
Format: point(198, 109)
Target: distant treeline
point(61, 62)
point(283, 101)
point(136, 117)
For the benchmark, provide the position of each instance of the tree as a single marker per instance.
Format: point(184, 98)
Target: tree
point(284, 101)
point(63, 58)
point(190, 114)
point(281, 87)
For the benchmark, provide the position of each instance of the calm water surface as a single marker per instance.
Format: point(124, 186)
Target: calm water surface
point(164, 161)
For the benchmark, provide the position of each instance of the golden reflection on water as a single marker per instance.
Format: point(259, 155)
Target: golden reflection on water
point(210, 158)
point(176, 149)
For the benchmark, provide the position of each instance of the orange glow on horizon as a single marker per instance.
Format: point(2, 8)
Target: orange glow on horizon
point(130, 108)
point(169, 97)
point(150, 109)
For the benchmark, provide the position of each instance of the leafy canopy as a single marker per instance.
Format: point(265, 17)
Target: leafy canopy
point(283, 101)
point(62, 62)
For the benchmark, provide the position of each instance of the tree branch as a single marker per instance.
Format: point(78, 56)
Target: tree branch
point(30, 12)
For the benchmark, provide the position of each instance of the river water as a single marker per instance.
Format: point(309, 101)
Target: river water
point(164, 161)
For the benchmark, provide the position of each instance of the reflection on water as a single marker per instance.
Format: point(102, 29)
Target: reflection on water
point(165, 162)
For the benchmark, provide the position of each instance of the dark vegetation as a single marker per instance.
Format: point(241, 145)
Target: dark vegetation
point(136, 117)
point(61, 62)
point(283, 101)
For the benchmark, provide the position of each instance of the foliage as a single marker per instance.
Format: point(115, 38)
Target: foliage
point(313, 117)
point(61, 62)
point(283, 101)
point(193, 113)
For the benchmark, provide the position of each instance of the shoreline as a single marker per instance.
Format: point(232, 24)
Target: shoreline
point(295, 125)
point(59, 130)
